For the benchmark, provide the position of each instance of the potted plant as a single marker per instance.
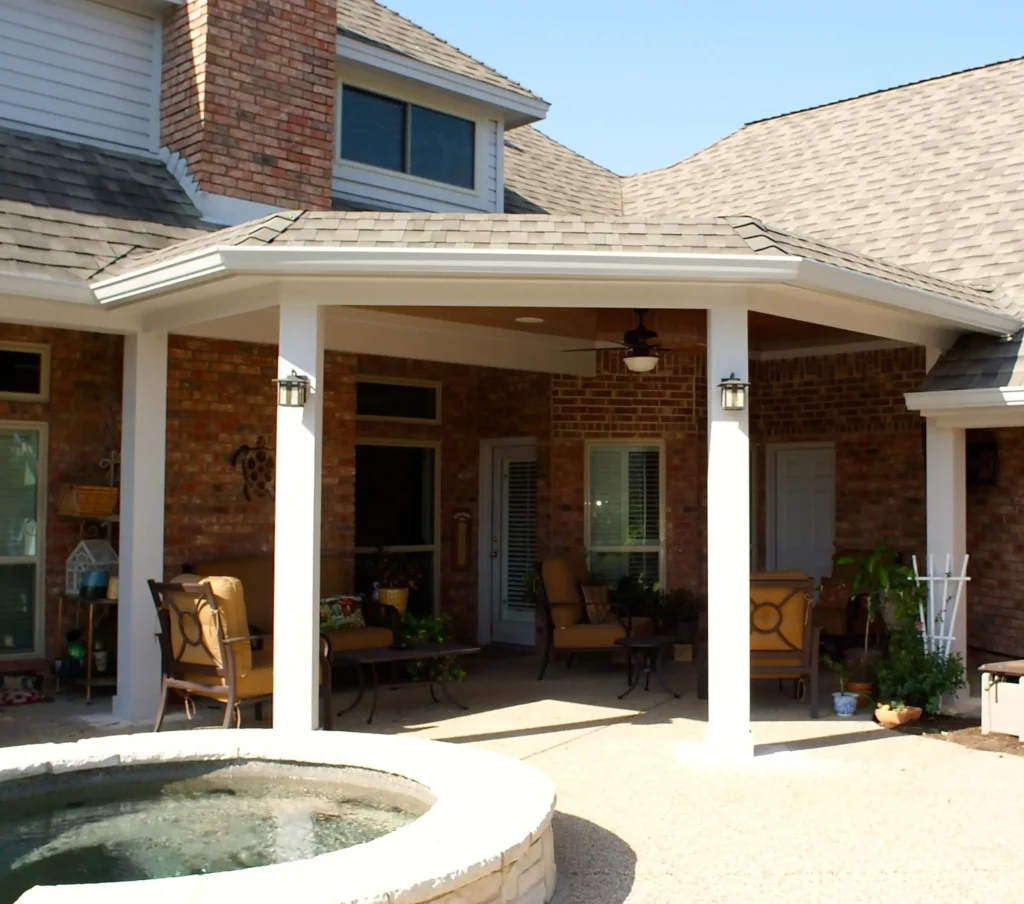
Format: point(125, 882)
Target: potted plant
point(870, 579)
point(844, 702)
point(861, 676)
point(430, 629)
point(394, 577)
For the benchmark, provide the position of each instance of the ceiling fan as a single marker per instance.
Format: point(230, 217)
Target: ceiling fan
point(641, 345)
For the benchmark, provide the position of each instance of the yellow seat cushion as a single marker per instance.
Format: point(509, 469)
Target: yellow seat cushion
point(756, 664)
point(367, 638)
point(257, 682)
point(561, 585)
point(641, 625)
point(586, 635)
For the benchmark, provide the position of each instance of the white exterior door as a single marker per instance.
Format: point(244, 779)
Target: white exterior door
point(513, 543)
point(802, 518)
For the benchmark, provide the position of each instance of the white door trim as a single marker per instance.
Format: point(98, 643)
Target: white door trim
point(362, 440)
point(483, 535)
point(771, 455)
point(42, 487)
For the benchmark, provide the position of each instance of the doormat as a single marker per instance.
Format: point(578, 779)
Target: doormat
point(18, 689)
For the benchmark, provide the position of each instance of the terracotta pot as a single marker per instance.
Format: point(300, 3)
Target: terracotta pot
point(890, 718)
point(395, 596)
point(863, 691)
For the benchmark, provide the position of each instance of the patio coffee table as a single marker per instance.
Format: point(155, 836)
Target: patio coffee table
point(369, 659)
point(653, 648)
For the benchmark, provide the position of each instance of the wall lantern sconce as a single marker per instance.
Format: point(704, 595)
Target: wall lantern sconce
point(734, 393)
point(641, 361)
point(292, 390)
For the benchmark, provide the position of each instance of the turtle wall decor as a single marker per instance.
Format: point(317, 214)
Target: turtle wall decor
point(257, 464)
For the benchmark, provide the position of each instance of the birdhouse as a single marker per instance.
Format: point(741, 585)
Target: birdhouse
point(89, 555)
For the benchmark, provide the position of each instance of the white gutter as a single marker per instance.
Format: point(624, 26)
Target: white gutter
point(298, 260)
point(46, 287)
point(952, 399)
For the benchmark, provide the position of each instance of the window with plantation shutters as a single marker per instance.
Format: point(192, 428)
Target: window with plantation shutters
point(624, 525)
point(519, 526)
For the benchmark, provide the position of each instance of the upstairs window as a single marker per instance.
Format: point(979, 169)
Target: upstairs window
point(407, 138)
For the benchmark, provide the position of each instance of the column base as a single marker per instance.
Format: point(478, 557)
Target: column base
point(728, 742)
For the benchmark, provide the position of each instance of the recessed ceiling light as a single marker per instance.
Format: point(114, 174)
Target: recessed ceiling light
point(529, 320)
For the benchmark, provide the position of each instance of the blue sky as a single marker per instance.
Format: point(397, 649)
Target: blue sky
point(639, 84)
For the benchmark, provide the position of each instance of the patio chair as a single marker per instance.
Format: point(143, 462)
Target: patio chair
point(783, 638)
point(206, 650)
point(579, 618)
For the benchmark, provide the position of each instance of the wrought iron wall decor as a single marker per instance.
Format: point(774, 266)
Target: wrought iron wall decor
point(257, 464)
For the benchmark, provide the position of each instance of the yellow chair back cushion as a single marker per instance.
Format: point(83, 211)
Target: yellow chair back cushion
point(561, 585)
point(778, 612)
point(200, 622)
point(596, 600)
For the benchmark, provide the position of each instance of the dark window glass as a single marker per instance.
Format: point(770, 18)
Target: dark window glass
point(396, 400)
point(394, 496)
point(17, 608)
point(21, 371)
point(372, 129)
point(442, 147)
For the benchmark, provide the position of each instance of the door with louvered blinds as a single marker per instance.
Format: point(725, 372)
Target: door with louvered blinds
point(624, 524)
point(514, 547)
point(22, 492)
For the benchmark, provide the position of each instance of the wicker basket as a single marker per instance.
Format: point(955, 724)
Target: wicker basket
point(395, 596)
point(88, 501)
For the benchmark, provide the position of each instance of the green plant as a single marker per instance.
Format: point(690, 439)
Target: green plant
point(883, 582)
point(430, 629)
point(394, 570)
point(911, 675)
point(684, 605)
point(840, 668)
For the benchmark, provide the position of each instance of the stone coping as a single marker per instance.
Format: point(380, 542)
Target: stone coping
point(489, 809)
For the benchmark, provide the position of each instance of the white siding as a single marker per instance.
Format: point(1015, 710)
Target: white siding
point(81, 69)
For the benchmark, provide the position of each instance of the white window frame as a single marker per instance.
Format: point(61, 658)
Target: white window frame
point(627, 444)
point(39, 635)
point(436, 385)
point(44, 372)
point(479, 140)
point(435, 547)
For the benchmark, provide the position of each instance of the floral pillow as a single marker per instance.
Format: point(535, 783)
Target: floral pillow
point(341, 612)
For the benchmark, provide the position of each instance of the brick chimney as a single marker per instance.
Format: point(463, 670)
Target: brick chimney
point(248, 97)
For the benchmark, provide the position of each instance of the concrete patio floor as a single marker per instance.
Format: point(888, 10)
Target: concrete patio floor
point(829, 810)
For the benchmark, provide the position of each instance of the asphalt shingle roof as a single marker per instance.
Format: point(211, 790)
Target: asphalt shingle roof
point(707, 235)
point(978, 362)
point(928, 175)
point(70, 210)
point(373, 23)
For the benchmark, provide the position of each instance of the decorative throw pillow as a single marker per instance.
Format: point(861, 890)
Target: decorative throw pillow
point(341, 612)
point(596, 599)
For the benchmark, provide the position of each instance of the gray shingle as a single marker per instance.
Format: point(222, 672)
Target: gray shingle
point(69, 210)
point(978, 362)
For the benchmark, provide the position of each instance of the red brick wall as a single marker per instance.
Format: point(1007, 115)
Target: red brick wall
point(995, 541)
point(856, 402)
point(84, 424)
point(220, 396)
point(248, 97)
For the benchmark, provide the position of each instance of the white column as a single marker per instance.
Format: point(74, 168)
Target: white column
point(297, 524)
point(946, 477)
point(728, 541)
point(143, 459)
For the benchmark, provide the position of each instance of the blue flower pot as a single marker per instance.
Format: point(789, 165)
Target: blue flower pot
point(844, 703)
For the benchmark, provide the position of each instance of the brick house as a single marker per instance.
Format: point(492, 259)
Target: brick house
point(324, 187)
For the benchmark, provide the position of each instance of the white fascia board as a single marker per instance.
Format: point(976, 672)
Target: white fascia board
point(47, 288)
point(828, 277)
point(962, 399)
point(160, 277)
point(518, 108)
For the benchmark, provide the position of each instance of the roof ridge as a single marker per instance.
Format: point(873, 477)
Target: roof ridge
point(419, 27)
point(886, 90)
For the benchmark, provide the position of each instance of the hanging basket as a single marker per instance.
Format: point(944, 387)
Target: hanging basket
point(397, 597)
point(88, 501)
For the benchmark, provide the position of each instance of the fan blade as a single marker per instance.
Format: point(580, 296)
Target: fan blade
point(604, 348)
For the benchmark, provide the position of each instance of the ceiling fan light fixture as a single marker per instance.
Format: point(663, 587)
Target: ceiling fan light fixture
point(642, 363)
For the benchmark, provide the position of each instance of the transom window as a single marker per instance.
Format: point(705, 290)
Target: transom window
point(624, 513)
point(405, 401)
point(24, 372)
point(407, 138)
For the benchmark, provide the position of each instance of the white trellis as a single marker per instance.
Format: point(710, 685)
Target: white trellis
point(938, 611)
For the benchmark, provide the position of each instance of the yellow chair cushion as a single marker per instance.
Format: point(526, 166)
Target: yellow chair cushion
point(777, 616)
point(257, 682)
point(561, 586)
point(586, 635)
point(641, 625)
point(596, 601)
point(199, 621)
point(368, 638)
